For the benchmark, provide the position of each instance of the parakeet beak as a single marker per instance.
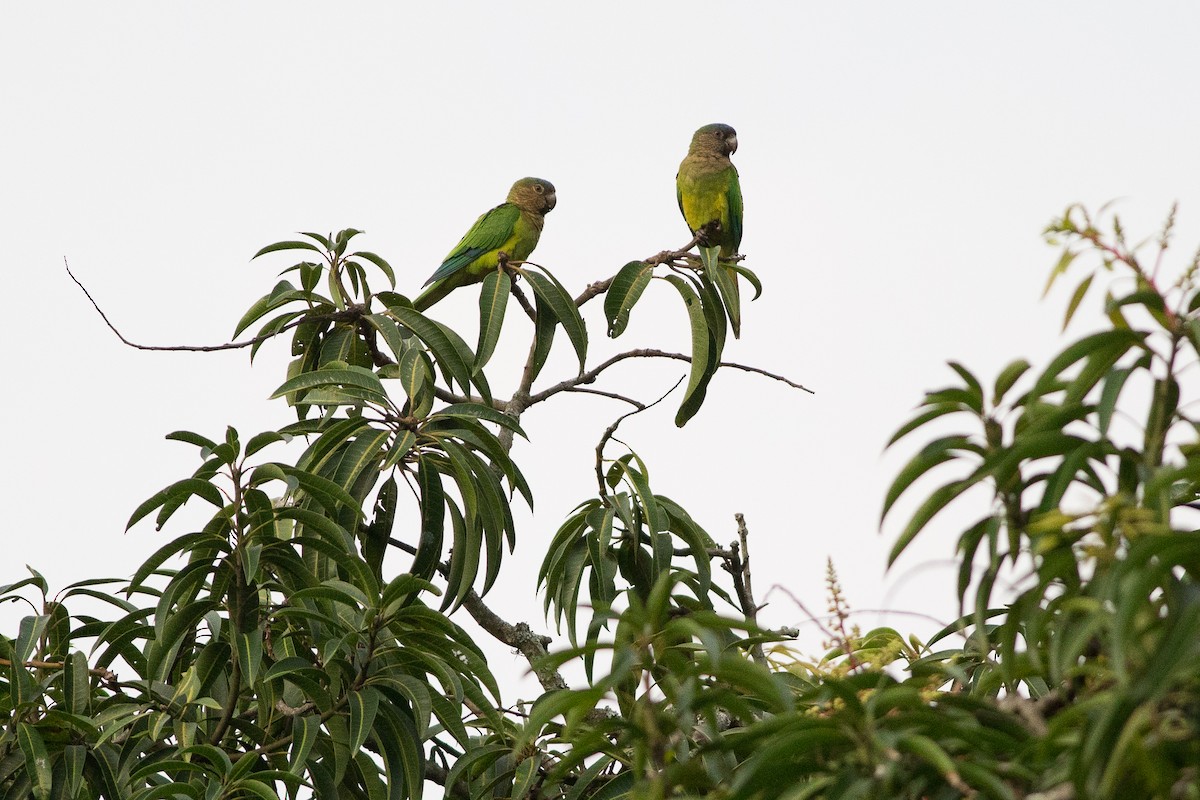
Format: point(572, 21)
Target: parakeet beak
point(732, 140)
point(551, 201)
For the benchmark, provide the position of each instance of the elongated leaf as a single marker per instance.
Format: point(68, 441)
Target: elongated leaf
point(939, 451)
point(626, 288)
point(323, 490)
point(1076, 299)
point(378, 261)
point(350, 377)
point(1063, 263)
point(938, 410)
point(37, 760)
point(364, 704)
point(174, 496)
point(1007, 377)
point(543, 331)
point(727, 284)
point(493, 301)
point(444, 352)
point(525, 777)
point(1113, 383)
point(413, 373)
point(288, 245)
point(433, 515)
point(702, 367)
point(479, 411)
point(940, 498)
point(1111, 339)
point(77, 685)
point(562, 305)
point(192, 438)
point(974, 390)
point(751, 277)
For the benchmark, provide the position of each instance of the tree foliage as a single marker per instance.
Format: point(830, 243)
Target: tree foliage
point(303, 641)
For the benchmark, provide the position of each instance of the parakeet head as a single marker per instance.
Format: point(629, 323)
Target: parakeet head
point(533, 194)
point(717, 138)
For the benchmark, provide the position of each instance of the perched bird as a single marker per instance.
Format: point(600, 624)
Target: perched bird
point(513, 227)
point(709, 194)
point(710, 198)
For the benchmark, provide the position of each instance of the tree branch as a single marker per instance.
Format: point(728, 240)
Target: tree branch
point(613, 395)
point(737, 564)
point(592, 374)
point(439, 775)
point(662, 257)
point(611, 430)
point(352, 313)
point(519, 637)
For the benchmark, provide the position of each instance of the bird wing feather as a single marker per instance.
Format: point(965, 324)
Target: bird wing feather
point(489, 232)
point(733, 200)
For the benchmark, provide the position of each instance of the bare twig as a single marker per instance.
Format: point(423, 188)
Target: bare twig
point(612, 429)
point(646, 352)
point(736, 561)
point(352, 313)
point(524, 301)
point(106, 674)
point(583, 390)
point(663, 257)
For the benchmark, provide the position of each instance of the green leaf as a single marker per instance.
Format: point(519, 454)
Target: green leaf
point(363, 706)
point(562, 305)
point(413, 373)
point(1007, 378)
point(77, 685)
point(433, 516)
point(974, 391)
point(940, 498)
point(751, 277)
point(291, 245)
point(175, 495)
point(347, 376)
point(1113, 383)
point(74, 758)
point(1063, 263)
point(525, 777)
point(31, 630)
point(193, 438)
point(726, 280)
point(702, 363)
point(938, 410)
point(1120, 338)
point(440, 345)
point(249, 653)
point(479, 411)
point(261, 440)
point(384, 266)
point(1076, 299)
point(543, 336)
point(37, 760)
point(939, 451)
point(493, 301)
point(626, 288)
point(323, 490)
point(560, 703)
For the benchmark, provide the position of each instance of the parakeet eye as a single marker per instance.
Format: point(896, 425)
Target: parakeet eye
point(537, 187)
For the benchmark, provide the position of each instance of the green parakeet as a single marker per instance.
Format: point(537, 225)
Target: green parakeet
point(512, 227)
point(710, 198)
point(709, 194)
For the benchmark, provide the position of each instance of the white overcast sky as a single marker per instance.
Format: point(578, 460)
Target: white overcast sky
point(898, 163)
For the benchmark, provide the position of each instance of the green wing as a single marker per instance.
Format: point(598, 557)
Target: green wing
point(733, 200)
point(488, 233)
